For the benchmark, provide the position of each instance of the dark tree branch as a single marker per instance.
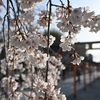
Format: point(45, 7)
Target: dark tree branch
point(47, 65)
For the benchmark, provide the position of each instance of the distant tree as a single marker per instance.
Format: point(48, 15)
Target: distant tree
point(90, 57)
point(57, 34)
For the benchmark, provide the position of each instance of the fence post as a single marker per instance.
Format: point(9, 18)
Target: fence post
point(74, 71)
point(90, 73)
point(84, 74)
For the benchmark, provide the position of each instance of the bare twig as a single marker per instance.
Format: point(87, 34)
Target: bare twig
point(61, 2)
point(68, 3)
point(8, 19)
point(3, 30)
point(15, 15)
point(58, 6)
point(17, 5)
point(48, 37)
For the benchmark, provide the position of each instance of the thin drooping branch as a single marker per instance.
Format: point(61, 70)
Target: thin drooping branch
point(17, 5)
point(61, 2)
point(50, 4)
point(16, 19)
point(8, 20)
point(58, 6)
point(68, 3)
point(4, 40)
point(47, 65)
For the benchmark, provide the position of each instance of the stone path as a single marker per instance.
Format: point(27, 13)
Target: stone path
point(92, 92)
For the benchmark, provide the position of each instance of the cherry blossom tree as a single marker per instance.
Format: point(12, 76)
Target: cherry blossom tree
point(21, 31)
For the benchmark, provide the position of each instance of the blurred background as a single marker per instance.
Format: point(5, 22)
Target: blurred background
point(85, 35)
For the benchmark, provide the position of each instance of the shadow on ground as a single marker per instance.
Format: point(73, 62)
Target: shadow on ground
point(92, 92)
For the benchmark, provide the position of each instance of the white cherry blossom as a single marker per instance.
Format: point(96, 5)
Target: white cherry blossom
point(77, 60)
point(25, 43)
point(10, 82)
point(27, 17)
point(28, 4)
point(1, 3)
point(76, 16)
point(65, 46)
point(44, 17)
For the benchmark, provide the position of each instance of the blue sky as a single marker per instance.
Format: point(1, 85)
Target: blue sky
point(93, 5)
point(85, 35)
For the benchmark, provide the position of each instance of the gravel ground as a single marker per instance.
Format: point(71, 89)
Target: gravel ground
point(92, 92)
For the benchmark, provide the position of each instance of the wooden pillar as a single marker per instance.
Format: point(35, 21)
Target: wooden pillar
point(84, 74)
point(74, 71)
point(93, 72)
point(90, 73)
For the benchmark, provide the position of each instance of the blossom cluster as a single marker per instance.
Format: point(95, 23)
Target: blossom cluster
point(24, 43)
